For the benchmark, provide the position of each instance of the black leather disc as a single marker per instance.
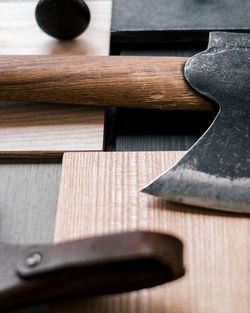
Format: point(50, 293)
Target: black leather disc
point(62, 19)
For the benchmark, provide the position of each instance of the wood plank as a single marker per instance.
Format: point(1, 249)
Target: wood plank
point(29, 189)
point(30, 130)
point(157, 130)
point(99, 193)
point(29, 194)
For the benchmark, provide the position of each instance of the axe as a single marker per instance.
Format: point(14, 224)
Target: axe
point(215, 172)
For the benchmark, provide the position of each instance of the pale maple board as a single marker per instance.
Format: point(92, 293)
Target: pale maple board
point(27, 129)
point(100, 193)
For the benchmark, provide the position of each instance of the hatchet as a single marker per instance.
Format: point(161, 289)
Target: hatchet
point(215, 172)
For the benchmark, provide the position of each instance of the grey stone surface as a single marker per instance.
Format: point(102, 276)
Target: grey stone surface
point(147, 15)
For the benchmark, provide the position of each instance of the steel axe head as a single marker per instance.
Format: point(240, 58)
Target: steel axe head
point(215, 172)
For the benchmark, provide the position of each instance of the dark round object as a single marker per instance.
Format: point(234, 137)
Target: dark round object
point(62, 19)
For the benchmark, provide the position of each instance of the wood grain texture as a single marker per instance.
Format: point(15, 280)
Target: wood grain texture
point(99, 193)
point(29, 188)
point(132, 81)
point(31, 130)
point(29, 194)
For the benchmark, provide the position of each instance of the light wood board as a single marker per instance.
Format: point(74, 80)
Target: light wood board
point(19, 33)
point(100, 193)
point(28, 129)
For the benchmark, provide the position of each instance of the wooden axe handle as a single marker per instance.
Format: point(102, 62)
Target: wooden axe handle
point(139, 82)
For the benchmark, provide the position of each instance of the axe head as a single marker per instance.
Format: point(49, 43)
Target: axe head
point(215, 172)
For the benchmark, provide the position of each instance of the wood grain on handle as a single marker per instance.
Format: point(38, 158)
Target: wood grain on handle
point(142, 82)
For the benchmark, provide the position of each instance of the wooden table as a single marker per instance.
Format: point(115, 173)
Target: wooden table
point(100, 191)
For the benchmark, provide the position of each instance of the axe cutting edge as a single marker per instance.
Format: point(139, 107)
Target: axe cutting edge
point(215, 172)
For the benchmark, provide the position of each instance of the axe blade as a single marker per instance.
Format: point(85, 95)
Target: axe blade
point(215, 172)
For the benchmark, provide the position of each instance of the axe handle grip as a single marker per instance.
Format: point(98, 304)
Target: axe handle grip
point(139, 82)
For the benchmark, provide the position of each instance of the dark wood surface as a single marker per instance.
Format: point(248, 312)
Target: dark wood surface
point(154, 130)
point(130, 129)
point(128, 81)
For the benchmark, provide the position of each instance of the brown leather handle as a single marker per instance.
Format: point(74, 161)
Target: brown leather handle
point(141, 82)
point(92, 266)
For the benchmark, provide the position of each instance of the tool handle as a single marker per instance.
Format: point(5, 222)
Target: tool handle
point(139, 82)
point(99, 265)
